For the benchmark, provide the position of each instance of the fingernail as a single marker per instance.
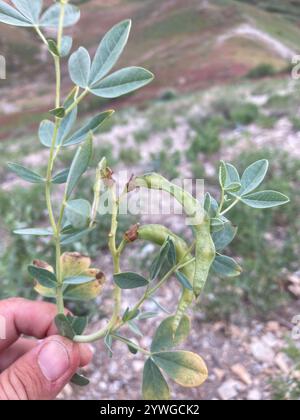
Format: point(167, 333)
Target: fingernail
point(54, 360)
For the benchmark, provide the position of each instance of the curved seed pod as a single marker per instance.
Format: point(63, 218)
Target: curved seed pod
point(205, 249)
point(204, 255)
point(190, 205)
point(158, 234)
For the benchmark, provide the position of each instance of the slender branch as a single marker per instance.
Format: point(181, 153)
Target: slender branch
point(52, 156)
point(235, 202)
point(221, 202)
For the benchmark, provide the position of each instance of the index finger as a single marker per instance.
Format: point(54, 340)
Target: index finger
point(34, 319)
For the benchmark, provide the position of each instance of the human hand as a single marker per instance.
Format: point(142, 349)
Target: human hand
point(32, 369)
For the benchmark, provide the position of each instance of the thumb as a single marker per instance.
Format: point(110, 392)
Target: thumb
point(41, 373)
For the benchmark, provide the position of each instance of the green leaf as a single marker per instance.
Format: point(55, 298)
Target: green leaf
point(26, 174)
point(146, 315)
point(164, 338)
point(210, 205)
point(122, 82)
point(265, 199)
point(183, 280)
point(34, 231)
point(132, 350)
point(64, 326)
point(108, 340)
point(78, 213)
point(109, 51)
point(226, 266)
point(91, 126)
point(66, 45)
point(130, 280)
point(233, 181)
point(162, 308)
point(52, 45)
point(129, 315)
point(78, 280)
point(80, 380)
point(229, 177)
point(155, 386)
point(66, 126)
point(79, 165)
point(224, 237)
point(80, 67)
point(158, 263)
point(31, 9)
point(135, 329)
point(42, 276)
point(11, 16)
point(172, 257)
point(50, 18)
point(222, 174)
point(217, 224)
point(185, 368)
point(61, 177)
point(253, 176)
point(58, 112)
point(46, 131)
point(75, 236)
point(78, 323)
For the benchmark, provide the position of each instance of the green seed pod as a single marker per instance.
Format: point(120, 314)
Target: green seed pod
point(205, 250)
point(205, 255)
point(190, 205)
point(158, 234)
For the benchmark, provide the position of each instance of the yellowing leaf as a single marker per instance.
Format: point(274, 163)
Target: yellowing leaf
point(74, 264)
point(86, 291)
point(185, 368)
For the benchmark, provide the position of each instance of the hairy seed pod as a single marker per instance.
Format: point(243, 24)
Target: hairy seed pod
point(158, 234)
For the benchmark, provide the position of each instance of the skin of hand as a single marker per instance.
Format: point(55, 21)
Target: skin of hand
point(38, 367)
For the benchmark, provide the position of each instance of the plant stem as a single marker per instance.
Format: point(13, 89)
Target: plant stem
point(221, 202)
point(52, 156)
point(230, 207)
point(113, 249)
point(117, 294)
point(97, 192)
point(130, 343)
point(41, 35)
point(76, 102)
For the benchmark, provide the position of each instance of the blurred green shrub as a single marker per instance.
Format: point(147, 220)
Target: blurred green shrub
point(260, 71)
point(244, 114)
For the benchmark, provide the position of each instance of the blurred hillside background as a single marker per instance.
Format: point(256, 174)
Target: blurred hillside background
point(223, 90)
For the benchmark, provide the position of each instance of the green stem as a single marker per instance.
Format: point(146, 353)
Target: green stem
point(230, 207)
point(130, 343)
point(117, 294)
point(77, 101)
point(221, 202)
point(114, 252)
point(41, 35)
point(52, 156)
